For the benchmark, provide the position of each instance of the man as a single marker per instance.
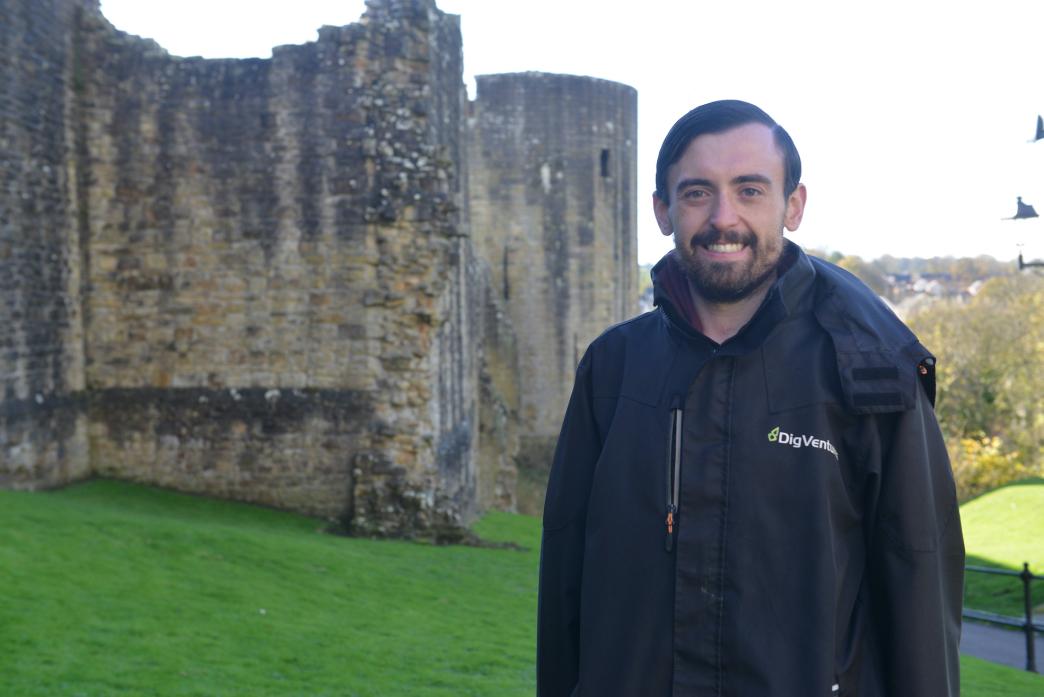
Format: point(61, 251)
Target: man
point(750, 494)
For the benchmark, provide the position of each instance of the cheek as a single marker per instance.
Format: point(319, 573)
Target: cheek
point(771, 225)
point(690, 218)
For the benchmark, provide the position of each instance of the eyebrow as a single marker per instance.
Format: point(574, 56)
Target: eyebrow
point(686, 183)
point(742, 179)
point(752, 179)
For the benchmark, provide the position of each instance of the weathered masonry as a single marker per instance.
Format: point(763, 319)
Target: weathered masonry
point(267, 280)
point(552, 210)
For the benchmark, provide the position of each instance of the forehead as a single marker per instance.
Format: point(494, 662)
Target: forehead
point(747, 149)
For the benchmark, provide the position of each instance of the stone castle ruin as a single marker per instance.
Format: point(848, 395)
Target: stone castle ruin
point(325, 281)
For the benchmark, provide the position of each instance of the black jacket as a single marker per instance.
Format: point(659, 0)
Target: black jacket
point(816, 547)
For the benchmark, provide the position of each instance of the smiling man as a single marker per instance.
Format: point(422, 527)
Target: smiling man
point(750, 494)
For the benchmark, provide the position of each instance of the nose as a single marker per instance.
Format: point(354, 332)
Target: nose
point(724, 215)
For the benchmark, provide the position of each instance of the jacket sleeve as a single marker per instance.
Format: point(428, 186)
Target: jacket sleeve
point(562, 547)
point(916, 565)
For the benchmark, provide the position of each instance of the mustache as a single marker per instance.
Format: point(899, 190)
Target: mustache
point(713, 235)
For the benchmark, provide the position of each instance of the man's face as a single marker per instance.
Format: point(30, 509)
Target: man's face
point(727, 211)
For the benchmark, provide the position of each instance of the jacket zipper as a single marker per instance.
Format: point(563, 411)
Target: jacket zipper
point(673, 476)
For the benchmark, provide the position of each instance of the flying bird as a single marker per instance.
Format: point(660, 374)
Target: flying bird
point(1024, 211)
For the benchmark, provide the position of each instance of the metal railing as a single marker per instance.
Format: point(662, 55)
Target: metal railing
point(1025, 622)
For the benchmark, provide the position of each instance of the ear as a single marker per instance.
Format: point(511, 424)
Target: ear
point(795, 208)
point(662, 211)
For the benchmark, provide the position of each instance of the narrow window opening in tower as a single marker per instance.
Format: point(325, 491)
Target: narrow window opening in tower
point(605, 162)
point(507, 283)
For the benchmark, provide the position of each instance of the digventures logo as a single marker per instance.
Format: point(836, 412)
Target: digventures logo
point(796, 440)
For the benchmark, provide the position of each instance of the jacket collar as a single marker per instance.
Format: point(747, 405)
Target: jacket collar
point(789, 295)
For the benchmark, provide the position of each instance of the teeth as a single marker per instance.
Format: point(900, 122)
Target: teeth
point(725, 248)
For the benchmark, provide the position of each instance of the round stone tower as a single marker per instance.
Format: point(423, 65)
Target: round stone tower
point(552, 171)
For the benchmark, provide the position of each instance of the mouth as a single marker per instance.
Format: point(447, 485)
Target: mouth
point(724, 248)
point(723, 245)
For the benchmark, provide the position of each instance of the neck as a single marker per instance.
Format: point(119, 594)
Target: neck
point(722, 321)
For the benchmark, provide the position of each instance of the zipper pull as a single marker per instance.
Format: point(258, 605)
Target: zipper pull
point(668, 544)
point(673, 470)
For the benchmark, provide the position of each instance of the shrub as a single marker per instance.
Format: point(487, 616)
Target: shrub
point(983, 463)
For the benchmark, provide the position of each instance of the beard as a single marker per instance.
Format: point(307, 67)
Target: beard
point(730, 282)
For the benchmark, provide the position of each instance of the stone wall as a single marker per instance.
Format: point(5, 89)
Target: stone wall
point(42, 407)
point(257, 279)
point(499, 402)
point(553, 169)
point(278, 271)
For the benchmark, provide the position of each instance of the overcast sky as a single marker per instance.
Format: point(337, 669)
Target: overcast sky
point(912, 118)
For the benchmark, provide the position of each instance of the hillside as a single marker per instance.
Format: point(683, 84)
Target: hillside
point(116, 589)
point(1003, 529)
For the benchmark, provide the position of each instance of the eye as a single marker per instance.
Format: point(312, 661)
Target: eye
point(750, 191)
point(694, 193)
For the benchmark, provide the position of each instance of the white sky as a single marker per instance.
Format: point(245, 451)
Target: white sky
point(912, 118)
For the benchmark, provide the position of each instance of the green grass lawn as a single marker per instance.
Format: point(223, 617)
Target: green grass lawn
point(1003, 529)
point(983, 679)
point(115, 589)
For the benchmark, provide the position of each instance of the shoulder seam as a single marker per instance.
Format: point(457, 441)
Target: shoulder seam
point(620, 325)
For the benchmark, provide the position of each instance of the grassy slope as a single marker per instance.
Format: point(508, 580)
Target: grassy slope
point(1004, 528)
point(113, 589)
point(983, 679)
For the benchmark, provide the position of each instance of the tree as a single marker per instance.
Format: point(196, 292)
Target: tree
point(868, 273)
point(990, 378)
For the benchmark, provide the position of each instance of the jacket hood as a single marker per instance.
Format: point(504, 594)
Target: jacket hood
point(879, 358)
point(671, 287)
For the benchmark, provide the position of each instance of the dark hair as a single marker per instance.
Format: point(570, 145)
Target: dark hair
point(716, 117)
